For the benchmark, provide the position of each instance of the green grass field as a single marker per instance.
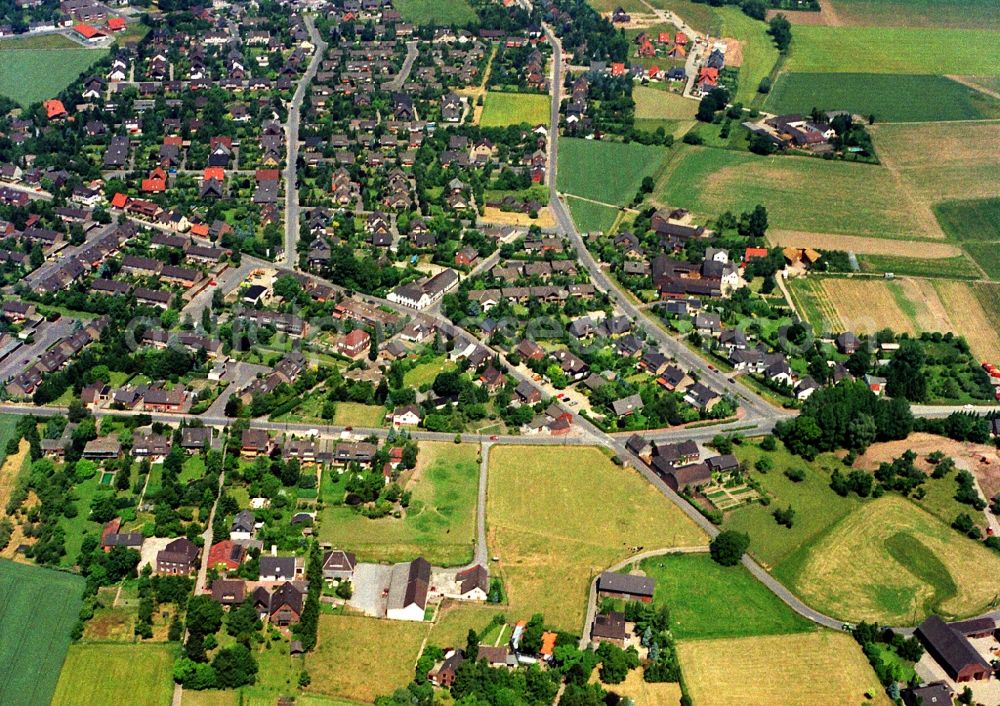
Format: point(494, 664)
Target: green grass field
point(35, 633)
point(974, 220)
point(731, 602)
point(659, 104)
point(976, 14)
point(502, 109)
point(101, 674)
point(609, 172)
point(436, 12)
point(700, 16)
point(889, 97)
point(893, 50)
point(424, 373)
point(949, 267)
point(868, 201)
point(439, 523)
point(31, 73)
point(759, 52)
point(557, 519)
point(590, 216)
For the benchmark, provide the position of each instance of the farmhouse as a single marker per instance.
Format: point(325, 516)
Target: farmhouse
point(408, 589)
point(178, 557)
point(339, 565)
point(609, 627)
point(627, 586)
point(691, 475)
point(951, 649)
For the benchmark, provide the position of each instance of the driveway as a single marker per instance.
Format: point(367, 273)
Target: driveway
point(371, 582)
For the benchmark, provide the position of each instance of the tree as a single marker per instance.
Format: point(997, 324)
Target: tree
point(243, 621)
point(234, 666)
point(780, 30)
point(905, 375)
point(729, 547)
point(204, 616)
point(472, 644)
point(861, 432)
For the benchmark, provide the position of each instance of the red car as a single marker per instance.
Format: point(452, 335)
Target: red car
point(494, 437)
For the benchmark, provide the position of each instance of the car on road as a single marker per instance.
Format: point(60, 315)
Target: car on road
point(348, 428)
point(732, 381)
point(493, 437)
point(212, 283)
point(712, 368)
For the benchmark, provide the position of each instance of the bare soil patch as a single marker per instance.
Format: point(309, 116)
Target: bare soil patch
point(505, 218)
point(862, 245)
point(981, 459)
point(825, 17)
point(734, 52)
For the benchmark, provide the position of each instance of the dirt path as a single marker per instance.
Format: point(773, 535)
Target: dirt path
point(9, 472)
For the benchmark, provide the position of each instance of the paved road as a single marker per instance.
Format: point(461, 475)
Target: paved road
point(292, 143)
point(32, 193)
point(231, 278)
point(47, 333)
point(404, 72)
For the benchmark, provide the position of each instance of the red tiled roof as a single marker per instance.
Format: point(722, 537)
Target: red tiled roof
point(54, 108)
point(87, 31)
point(120, 200)
point(116, 23)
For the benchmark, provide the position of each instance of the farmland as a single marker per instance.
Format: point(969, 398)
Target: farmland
point(502, 109)
point(928, 250)
point(583, 514)
point(657, 104)
point(979, 14)
point(731, 602)
point(100, 674)
point(974, 220)
point(811, 669)
point(590, 216)
point(608, 172)
point(35, 635)
point(35, 69)
point(759, 52)
point(963, 164)
point(361, 658)
point(889, 97)
point(894, 50)
point(869, 201)
point(700, 16)
point(439, 524)
point(437, 12)
point(892, 562)
point(959, 267)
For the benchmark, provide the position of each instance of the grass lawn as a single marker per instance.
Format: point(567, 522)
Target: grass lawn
point(889, 97)
point(609, 172)
point(210, 697)
point(581, 515)
point(817, 507)
point(821, 668)
point(656, 104)
point(358, 415)
point(502, 109)
point(456, 618)
point(977, 14)
point(868, 199)
point(75, 527)
point(893, 50)
point(892, 562)
point(591, 217)
point(700, 16)
point(29, 74)
point(424, 373)
point(438, 12)
point(193, 469)
point(759, 52)
point(35, 633)
point(361, 658)
point(731, 602)
point(101, 674)
point(439, 523)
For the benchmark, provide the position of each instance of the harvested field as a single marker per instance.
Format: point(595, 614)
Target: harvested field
point(505, 218)
point(827, 16)
point(963, 164)
point(362, 658)
point(582, 515)
point(862, 245)
point(966, 455)
point(814, 305)
point(969, 319)
point(895, 563)
point(641, 691)
point(810, 669)
point(866, 306)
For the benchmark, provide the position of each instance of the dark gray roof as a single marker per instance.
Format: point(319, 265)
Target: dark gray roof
point(626, 583)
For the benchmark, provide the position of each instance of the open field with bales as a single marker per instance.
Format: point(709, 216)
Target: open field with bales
point(32, 72)
point(502, 109)
point(894, 50)
point(439, 524)
point(36, 634)
point(895, 563)
point(101, 674)
point(889, 97)
point(731, 602)
point(811, 669)
point(976, 14)
point(608, 172)
point(362, 658)
point(581, 515)
point(868, 201)
point(437, 12)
